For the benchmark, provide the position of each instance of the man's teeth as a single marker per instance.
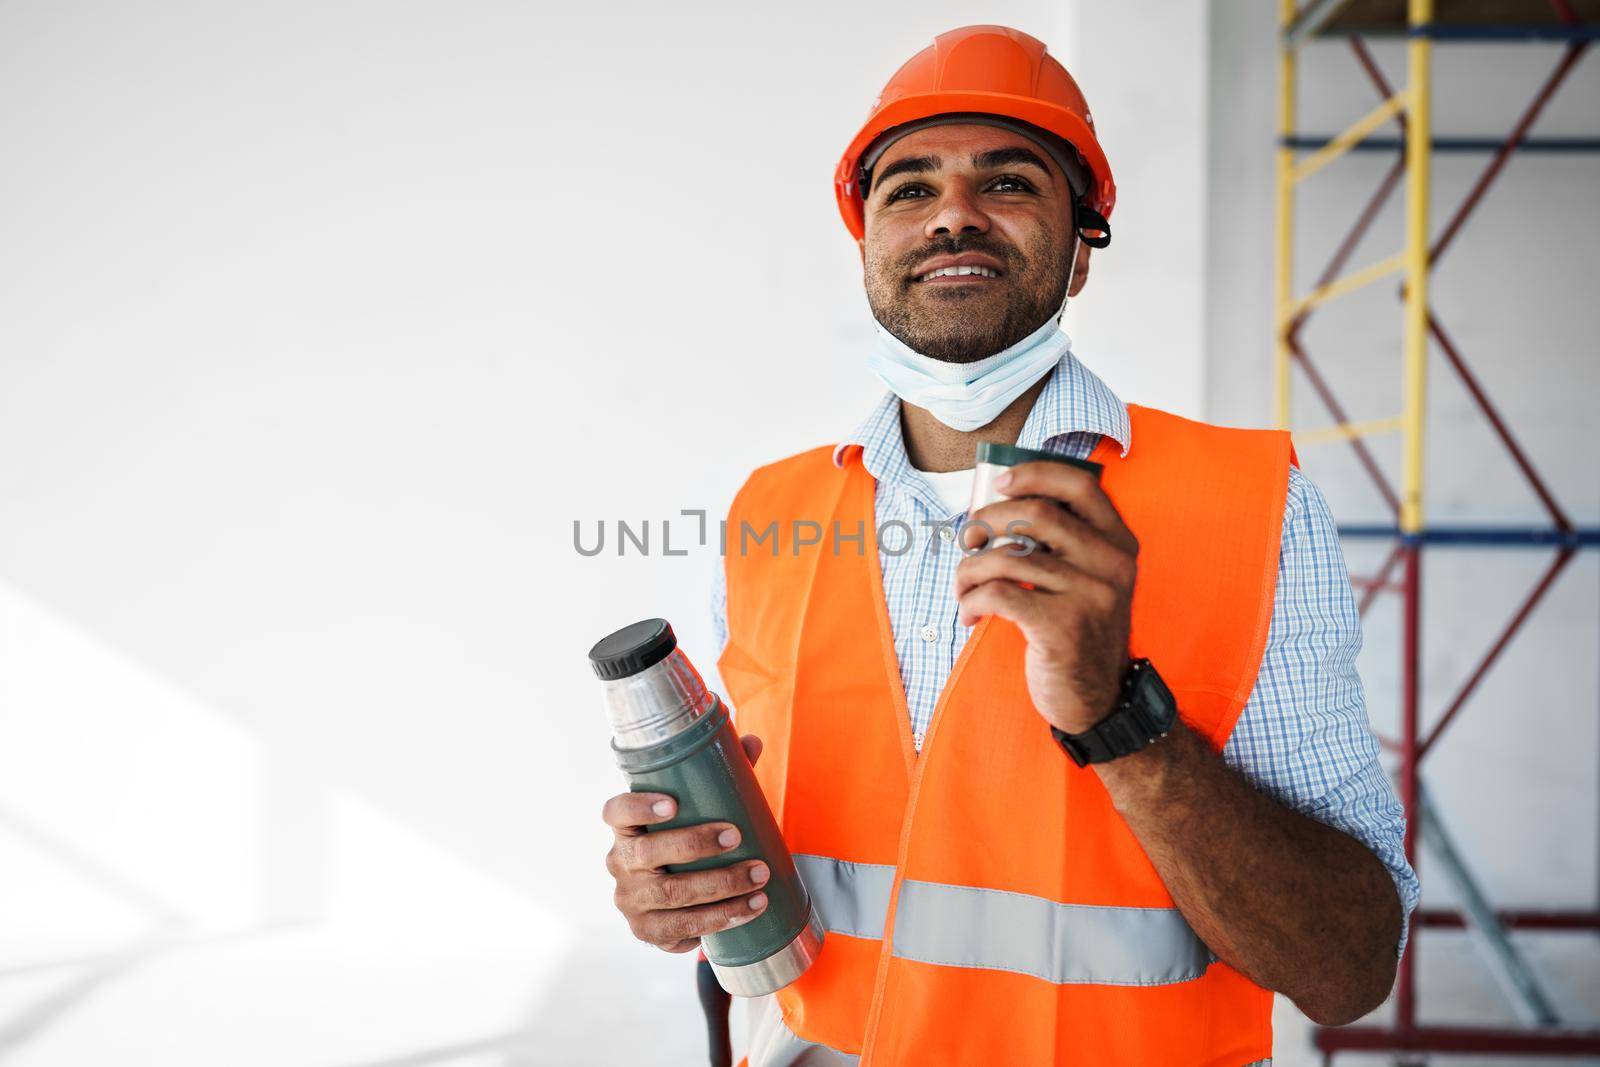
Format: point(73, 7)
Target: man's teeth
point(951, 272)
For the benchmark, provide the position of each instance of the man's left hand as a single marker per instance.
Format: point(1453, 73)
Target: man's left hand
point(1068, 586)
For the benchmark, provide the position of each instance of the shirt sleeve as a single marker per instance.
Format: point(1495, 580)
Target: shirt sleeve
point(1303, 736)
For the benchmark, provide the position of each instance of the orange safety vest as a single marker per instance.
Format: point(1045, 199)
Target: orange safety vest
point(985, 903)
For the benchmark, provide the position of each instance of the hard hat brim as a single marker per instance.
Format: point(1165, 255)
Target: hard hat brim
point(1102, 192)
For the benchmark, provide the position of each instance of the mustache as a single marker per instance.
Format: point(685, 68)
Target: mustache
point(954, 246)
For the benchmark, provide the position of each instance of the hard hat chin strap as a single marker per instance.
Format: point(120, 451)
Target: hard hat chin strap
point(1087, 218)
point(1083, 218)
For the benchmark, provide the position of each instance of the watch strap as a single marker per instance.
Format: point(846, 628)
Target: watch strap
point(1125, 731)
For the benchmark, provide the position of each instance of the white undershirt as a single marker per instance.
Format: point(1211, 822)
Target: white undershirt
point(952, 487)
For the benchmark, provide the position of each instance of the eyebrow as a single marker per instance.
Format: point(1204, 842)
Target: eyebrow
point(909, 165)
point(995, 157)
point(1014, 156)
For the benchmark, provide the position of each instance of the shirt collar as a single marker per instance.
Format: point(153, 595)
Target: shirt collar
point(1074, 400)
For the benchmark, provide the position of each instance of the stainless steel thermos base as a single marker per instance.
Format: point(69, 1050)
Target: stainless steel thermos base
point(777, 970)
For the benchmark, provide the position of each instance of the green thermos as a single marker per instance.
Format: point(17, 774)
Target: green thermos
point(672, 735)
point(994, 459)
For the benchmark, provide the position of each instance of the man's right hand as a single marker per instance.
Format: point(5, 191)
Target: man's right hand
point(673, 911)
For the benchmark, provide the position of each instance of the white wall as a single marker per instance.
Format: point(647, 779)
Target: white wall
point(319, 327)
point(323, 325)
point(1140, 322)
point(1517, 771)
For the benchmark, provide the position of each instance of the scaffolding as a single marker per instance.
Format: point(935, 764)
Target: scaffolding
point(1574, 24)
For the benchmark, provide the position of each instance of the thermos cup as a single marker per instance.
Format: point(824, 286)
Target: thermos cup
point(672, 735)
point(994, 458)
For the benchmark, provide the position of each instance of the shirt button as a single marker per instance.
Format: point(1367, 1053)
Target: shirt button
point(929, 633)
point(946, 534)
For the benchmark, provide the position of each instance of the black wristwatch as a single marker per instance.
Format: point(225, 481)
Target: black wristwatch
point(1145, 712)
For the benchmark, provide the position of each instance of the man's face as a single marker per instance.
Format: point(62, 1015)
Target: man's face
point(967, 195)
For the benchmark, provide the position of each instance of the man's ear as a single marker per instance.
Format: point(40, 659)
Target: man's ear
point(1080, 270)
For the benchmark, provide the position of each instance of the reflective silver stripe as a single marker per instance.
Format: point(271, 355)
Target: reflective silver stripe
point(852, 898)
point(772, 1044)
point(966, 926)
point(963, 926)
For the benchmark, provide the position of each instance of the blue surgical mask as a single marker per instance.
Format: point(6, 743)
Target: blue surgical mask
point(965, 396)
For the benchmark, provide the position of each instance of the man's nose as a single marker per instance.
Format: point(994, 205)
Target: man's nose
point(957, 211)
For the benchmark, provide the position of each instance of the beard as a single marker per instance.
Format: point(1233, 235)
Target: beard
point(971, 322)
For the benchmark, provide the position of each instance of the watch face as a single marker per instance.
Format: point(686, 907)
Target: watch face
point(1155, 699)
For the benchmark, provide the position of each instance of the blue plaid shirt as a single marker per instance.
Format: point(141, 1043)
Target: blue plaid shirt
point(1303, 737)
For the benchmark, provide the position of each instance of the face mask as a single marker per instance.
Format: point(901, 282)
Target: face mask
point(965, 396)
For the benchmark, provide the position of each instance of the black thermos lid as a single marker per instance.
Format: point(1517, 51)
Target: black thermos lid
point(632, 648)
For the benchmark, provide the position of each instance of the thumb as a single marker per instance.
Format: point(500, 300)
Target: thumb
point(752, 747)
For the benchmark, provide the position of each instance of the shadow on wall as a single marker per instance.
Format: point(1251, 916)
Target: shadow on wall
point(155, 851)
point(613, 1002)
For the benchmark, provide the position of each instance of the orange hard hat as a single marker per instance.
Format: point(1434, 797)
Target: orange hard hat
point(989, 73)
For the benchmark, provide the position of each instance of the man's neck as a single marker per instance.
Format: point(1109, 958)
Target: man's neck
point(933, 446)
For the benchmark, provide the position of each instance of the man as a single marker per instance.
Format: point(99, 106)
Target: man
point(1088, 802)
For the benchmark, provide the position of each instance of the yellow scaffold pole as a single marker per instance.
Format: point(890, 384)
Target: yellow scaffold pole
point(1286, 183)
point(1419, 134)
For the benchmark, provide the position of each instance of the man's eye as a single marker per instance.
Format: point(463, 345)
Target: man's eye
point(1006, 183)
point(1013, 180)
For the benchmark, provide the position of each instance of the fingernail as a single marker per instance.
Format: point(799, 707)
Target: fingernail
point(736, 920)
point(662, 807)
point(728, 838)
point(1002, 479)
point(758, 901)
point(759, 873)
